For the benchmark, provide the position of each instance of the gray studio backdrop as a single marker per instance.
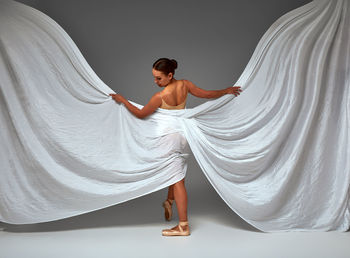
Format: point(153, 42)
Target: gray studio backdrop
point(211, 40)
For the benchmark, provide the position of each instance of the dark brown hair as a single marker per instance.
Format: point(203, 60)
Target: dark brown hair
point(165, 65)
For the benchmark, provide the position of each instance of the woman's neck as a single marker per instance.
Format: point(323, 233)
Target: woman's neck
point(172, 82)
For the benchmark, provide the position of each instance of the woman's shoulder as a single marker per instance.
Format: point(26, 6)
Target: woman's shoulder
point(184, 83)
point(187, 83)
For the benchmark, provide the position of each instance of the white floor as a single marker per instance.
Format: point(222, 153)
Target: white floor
point(133, 229)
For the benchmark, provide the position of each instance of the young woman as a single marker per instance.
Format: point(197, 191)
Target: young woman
point(173, 96)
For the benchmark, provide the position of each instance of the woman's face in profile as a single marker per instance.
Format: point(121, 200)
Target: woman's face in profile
point(160, 78)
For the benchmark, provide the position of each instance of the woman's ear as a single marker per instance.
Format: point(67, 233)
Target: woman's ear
point(170, 76)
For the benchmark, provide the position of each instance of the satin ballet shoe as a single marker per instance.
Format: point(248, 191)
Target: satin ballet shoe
point(168, 212)
point(182, 229)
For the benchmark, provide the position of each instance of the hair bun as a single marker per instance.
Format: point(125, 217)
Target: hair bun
point(174, 62)
point(165, 65)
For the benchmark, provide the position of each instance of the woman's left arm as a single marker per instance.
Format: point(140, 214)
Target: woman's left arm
point(148, 109)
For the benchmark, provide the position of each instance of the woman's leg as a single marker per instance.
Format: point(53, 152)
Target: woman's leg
point(180, 195)
point(171, 192)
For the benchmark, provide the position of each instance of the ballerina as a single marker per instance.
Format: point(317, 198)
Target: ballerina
point(173, 96)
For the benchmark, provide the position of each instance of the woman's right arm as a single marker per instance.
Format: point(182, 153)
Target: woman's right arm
point(208, 94)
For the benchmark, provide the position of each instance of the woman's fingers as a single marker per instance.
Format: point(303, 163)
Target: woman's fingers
point(114, 96)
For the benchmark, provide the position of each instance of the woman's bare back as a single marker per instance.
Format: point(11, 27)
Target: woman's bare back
point(174, 95)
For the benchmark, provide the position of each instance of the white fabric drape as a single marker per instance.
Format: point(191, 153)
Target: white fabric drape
point(278, 155)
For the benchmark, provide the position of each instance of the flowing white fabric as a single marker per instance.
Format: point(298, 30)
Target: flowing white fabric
point(278, 155)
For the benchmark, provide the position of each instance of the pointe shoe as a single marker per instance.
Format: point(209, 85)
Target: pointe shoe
point(182, 229)
point(168, 212)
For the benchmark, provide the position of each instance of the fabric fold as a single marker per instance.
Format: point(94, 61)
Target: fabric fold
point(277, 155)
